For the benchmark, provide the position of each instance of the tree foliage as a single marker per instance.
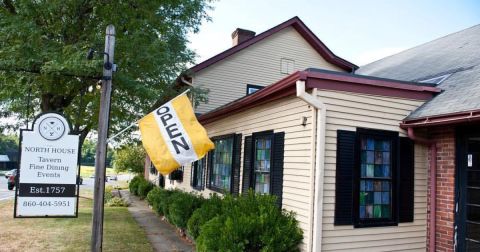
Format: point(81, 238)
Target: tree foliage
point(43, 65)
point(8, 143)
point(129, 158)
point(89, 149)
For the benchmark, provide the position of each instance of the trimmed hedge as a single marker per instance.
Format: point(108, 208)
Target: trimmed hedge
point(140, 186)
point(249, 223)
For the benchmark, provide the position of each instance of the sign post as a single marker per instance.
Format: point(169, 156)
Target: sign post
point(101, 154)
point(47, 176)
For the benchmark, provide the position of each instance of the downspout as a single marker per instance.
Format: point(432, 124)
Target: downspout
point(433, 185)
point(319, 161)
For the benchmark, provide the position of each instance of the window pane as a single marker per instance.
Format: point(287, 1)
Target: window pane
point(262, 164)
point(222, 164)
point(375, 183)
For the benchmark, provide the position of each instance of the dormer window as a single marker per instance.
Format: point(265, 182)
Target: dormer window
point(436, 80)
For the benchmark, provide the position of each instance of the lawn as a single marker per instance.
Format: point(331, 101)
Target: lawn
point(87, 171)
point(121, 232)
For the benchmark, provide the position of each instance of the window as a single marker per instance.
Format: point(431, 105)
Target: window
point(252, 88)
point(153, 170)
point(436, 80)
point(287, 66)
point(262, 163)
point(198, 173)
point(374, 178)
point(221, 168)
point(375, 198)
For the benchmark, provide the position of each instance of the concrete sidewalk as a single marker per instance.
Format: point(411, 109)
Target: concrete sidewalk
point(161, 235)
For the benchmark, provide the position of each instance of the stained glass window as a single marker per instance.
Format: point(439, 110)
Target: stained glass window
point(375, 179)
point(262, 163)
point(221, 174)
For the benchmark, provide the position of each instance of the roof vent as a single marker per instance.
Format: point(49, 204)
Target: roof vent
point(240, 35)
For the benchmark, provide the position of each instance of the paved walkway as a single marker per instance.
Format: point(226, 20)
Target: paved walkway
point(161, 235)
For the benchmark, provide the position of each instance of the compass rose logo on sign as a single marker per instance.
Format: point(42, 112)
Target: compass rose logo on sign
point(51, 128)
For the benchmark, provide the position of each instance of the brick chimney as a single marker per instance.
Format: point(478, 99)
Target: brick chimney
point(240, 35)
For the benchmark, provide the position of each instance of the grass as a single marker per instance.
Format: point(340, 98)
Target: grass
point(87, 171)
point(121, 232)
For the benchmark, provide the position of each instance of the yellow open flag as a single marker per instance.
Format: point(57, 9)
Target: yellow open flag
point(172, 136)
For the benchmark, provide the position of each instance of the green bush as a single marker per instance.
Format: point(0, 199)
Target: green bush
point(117, 202)
point(181, 207)
point(211, 208)
point(250, 223)
point(144, 187)
point(159, 199)
point(133, 185)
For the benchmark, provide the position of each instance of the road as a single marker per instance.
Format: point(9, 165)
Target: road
point(4, 192)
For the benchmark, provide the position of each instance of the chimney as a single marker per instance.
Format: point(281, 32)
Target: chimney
point(240, 35)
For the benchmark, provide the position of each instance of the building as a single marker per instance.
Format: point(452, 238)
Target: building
point(362, 157)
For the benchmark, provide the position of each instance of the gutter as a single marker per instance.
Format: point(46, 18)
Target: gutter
point(433, 183)
point(321, 117)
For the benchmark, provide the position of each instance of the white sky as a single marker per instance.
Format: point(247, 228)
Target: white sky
point(359, 31)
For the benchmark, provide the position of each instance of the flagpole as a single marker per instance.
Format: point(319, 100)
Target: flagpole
point(136, 122)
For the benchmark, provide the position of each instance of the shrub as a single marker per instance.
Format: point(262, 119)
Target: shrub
point(211, 208)
point(159, 199)
point(108, 193)
point(143, 188)
point(133, 185)
point(250, 223)
point(181, 207)
point(117, 202)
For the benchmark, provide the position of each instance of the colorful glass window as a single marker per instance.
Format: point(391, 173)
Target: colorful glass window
point(262, 163)
point(375, 179)
point(221, 174)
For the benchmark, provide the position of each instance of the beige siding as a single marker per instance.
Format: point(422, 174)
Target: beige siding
point(259, 64)
point(281, 116)
point(347, 111)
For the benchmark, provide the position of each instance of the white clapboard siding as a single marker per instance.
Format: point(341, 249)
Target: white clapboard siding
point(258, 64)
point(346, 111)
point(283, 115)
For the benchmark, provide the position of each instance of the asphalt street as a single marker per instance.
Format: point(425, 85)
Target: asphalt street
point(4, 192)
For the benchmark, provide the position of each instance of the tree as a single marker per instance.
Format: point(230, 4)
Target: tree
point(43, 65)
point(129, 158)
point(88, 153)
point(8, 143)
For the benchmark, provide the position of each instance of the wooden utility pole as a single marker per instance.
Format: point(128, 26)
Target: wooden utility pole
point(101, 154)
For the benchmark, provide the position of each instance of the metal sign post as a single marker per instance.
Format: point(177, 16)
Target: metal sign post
point(103, 117)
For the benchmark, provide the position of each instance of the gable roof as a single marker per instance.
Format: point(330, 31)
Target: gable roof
point(324, 79)
point(455, 56)
point(301, 28)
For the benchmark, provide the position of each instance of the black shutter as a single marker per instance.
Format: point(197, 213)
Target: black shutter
point(344, 177)
point(209, 168)
point(247, 164)
point(277, 166)
point(406, 180)
point(204, 167)
point(192, 173)
point(237, 145)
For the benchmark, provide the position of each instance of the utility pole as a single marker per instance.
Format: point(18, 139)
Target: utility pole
point(101, 154)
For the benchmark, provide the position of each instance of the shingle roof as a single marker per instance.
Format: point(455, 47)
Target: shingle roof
point(457, 54)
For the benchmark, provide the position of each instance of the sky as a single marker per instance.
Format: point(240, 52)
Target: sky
point(360, 31)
